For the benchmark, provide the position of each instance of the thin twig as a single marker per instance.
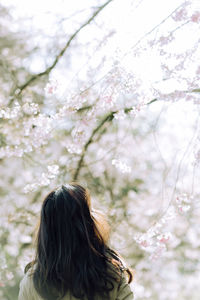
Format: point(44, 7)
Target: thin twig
point(109, 117)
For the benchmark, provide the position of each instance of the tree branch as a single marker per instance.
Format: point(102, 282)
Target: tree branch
point(19, 90)
point(106, 119)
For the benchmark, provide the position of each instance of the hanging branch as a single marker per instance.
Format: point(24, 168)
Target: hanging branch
point(20, 89)
point(107, 118)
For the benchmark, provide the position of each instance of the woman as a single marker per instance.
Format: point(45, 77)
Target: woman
point(73, 260)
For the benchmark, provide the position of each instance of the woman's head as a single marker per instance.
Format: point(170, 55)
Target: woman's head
point(71, 248)
point(66, 224)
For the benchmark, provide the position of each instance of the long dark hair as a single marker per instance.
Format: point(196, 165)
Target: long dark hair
point(71, 252)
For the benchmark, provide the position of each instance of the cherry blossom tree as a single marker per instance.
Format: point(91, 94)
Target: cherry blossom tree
point(91, 96)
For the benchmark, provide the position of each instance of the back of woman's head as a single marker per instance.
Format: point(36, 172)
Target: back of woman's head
point(71, 251)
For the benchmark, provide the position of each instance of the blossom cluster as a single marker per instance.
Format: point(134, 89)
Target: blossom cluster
point(44, 180)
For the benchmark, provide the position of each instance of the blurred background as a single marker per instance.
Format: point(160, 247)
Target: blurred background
point(105, 93)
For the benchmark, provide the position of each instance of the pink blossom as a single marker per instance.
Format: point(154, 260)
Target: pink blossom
point(108, 99)
point(196, 17)
point(164, 238)
point(164, 40)
point(180, 15)
point(51, 87)
point(183, 208)
point(144, 243)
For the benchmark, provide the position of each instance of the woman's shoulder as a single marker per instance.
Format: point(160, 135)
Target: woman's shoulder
point(27, 279)
point(28, 276)
point(26, 287)
point(122, 289)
